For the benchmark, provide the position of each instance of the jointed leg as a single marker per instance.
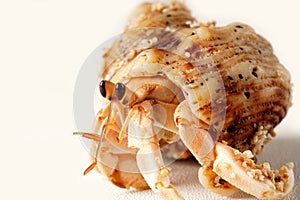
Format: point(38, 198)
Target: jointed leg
point(225, 166)
point(197, 139)
point(149, 159)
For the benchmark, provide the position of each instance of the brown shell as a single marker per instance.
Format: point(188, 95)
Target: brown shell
point(257, 86)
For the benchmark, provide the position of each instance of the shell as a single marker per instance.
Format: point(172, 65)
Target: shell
point(228, 72)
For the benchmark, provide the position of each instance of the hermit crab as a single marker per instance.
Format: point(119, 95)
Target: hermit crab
point(174, 88)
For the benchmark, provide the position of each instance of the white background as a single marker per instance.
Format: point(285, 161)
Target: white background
point(43, 44)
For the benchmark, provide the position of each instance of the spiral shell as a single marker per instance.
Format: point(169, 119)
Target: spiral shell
point(255, 93)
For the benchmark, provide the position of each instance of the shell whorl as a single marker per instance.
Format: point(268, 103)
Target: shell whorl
point(257, 86)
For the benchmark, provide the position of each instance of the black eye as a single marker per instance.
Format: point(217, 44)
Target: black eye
point(120, 90)
point(102, 88)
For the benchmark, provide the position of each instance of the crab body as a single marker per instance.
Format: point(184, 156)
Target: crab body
point(175, 83)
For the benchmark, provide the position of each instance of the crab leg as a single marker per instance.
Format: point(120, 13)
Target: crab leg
point(258, 180)
point(141, 135)
point(151, 165)
point(115, 160)
point(224, 163)
point(193, 132)
point(197, 139)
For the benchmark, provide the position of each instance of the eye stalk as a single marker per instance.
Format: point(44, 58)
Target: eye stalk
point(120, 90)
point(106, 88)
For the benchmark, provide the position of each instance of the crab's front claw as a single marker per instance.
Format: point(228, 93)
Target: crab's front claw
point(142, 135)
point(151, 165)
point(119, 166)
point(193, 132)
point(258, 180)
point(195, 136)
point(210, 180)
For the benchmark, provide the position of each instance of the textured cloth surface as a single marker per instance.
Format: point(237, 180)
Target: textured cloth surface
point(184, 175)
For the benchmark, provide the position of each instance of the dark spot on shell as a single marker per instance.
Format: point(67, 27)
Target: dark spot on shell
point(241, 76)
point(247, 94)
point(230, 78)
point(230, 129)
point(235, 30)
point(241, 48)
point(254, 74)
point(193, 33)
point(201, 84)
point(167, 63)
point(169, 15)
point(238, 26)
point(259, 51)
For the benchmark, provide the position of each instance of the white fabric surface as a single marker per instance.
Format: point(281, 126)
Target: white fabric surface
point(184, 175)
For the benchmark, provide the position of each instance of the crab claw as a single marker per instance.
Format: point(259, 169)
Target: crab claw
point(149, 159)
point(193, 132)
point(197, 139)
point(258, 180)
point(210, 180)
